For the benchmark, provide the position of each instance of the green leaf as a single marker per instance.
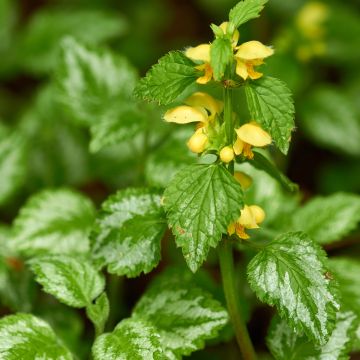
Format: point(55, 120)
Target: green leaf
point(13, 165)
point(54, 221)
point(246, 10)
point(72, 280)
point(91, 82)
point(330, 119)
point(356, 344)
point(184, 316)
point(16, 284)
point(346, 272)
point(169, 158)
point(68, 324)
point(57, 150)
point(98, 312)
point(284, 343)
point(127, 236)
point(262, 163)
point(168, 79)
point(132, 339)
point(328, 219)
point(201, 201)
point(26, 337)
point(221, 55)
point(290, 273)
point(271, 105)
point(121, 122)
point(39, 44)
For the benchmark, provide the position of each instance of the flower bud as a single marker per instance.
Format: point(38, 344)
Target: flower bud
point(226, 154)
point(198, 141)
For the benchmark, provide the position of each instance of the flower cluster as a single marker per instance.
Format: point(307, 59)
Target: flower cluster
point(205, 110)
point(202, 109)
point(207, 113)
point(247, 56)
point(250, 217)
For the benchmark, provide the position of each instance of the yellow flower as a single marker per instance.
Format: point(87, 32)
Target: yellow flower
point(200, 108)
point(249, 135)
point(204, 100)
point(184, 114)
point(201, 53)
point(248, 55)
point(226, 154)
point(198, 141)
point(236, 34)
point(310, 19)
point(244, 180)
point(249, 218)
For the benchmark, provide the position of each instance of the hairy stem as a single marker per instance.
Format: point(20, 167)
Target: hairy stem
point(229, 285)
point(226, 255)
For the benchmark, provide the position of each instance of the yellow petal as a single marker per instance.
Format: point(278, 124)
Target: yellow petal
point(244, 180)
point(258, 213)
point(198, 141)
point(247, 152)
point(236, 34)
point(208, 73)
point(206, 101)
point(253, 134)
point(247, 218)
point(226, 154)
point(241, 68)
point(199, 53)
point(252, 73)
point(238, 146)
point(185, 114)
point(231, 229)
point(253, 50)
point(240, 232)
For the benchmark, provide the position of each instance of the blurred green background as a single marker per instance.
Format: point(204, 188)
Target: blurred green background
point(317, 46)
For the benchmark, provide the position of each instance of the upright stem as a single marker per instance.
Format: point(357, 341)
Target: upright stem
point(229, 123)
point(228, 119)
point(226, 256)
point(229, 285)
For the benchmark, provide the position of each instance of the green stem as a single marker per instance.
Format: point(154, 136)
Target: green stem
point(229, 123)
point(226, 255)
point(229, 285)
point(229, 126)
